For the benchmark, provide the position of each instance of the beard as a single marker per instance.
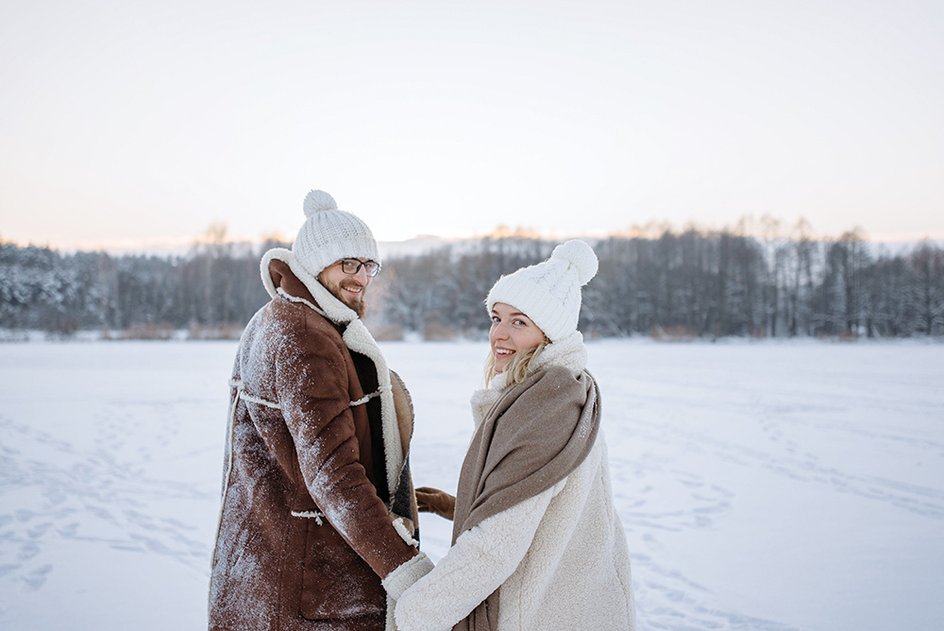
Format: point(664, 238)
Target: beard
point(357, 303)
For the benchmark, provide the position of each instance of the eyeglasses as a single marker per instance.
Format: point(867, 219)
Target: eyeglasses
point(353, 266)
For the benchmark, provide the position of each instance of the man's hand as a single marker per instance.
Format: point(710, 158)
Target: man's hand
point(430, 500)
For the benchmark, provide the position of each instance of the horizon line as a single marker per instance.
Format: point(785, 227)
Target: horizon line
point(651, 230)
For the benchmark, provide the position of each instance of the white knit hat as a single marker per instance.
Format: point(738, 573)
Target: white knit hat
point(330, 234)
point(549, 292)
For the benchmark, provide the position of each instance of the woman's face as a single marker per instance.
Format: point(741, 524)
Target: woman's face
point(512, 333)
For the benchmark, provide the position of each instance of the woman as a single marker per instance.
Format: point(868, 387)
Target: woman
point(536, 541)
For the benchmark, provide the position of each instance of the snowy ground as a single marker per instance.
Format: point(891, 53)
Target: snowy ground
point(762, 486)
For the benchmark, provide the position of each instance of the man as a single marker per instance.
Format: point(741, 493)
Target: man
point(318, 519)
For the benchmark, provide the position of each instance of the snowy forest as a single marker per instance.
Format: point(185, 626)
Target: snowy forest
point(671, 284)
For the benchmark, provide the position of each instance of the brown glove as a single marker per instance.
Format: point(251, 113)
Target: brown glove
point(430, 500)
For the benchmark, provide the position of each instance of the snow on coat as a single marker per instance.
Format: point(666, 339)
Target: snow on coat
point(316, 471)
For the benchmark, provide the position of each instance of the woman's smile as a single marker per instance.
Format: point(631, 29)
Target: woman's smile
point(512, 332)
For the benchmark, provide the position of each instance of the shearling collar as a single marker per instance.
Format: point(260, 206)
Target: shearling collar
point(304, 286)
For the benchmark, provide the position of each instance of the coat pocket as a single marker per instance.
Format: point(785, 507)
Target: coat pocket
point(336, 583)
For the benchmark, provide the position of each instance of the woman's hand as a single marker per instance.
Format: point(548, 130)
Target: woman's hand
point(431, 500)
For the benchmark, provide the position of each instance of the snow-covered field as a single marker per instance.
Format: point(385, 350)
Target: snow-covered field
point(762, 486)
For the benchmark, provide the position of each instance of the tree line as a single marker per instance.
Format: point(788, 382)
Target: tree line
point(688, 283)
point(215, 287)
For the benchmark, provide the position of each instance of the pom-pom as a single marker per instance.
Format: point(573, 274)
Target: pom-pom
point(318, 200)
point(580, 255)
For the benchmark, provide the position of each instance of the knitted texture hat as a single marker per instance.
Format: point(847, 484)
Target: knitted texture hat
point(549, 292)
point(330, 234)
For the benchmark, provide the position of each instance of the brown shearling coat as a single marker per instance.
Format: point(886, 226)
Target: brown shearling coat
point(305, 531)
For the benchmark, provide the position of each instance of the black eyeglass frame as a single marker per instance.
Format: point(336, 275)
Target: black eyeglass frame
point(372, 267)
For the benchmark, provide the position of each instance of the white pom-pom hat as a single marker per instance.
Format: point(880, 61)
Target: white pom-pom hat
point(549, 292)
point(330, 234)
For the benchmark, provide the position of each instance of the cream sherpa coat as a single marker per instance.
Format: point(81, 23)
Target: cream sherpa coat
point(559, 559)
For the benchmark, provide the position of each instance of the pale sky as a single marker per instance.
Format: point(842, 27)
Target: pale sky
point(141, 123)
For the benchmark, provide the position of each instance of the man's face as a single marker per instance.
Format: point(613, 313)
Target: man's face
point(348, 288)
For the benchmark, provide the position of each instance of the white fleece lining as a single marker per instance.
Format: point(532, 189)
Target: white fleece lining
point(228, 460)
point(245, 396)
point(404, 532)
point(367, 397)
point(407, 573)
point(357, 338)
point(309, 514)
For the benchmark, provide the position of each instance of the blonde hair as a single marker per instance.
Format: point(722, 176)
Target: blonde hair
point(518, 368)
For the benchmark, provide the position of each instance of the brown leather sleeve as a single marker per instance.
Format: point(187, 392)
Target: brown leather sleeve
point(312, 381)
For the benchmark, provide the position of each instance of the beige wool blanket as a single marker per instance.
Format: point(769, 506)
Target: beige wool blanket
point(534, 436)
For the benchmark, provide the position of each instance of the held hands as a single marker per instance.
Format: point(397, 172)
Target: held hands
point(431, 500)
